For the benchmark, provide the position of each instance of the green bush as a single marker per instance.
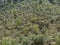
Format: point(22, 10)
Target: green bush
point(8, 41)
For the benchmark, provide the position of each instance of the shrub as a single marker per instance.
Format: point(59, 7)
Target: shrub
point(8, 41)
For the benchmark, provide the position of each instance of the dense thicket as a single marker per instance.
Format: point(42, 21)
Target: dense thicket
point(30, 22)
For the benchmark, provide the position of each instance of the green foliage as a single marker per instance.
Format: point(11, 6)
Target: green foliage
point(58, 39)
point(18, 22)
point(8, 41)
point(30, 22)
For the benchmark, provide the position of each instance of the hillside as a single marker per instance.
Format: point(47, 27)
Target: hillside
point(30, 22)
